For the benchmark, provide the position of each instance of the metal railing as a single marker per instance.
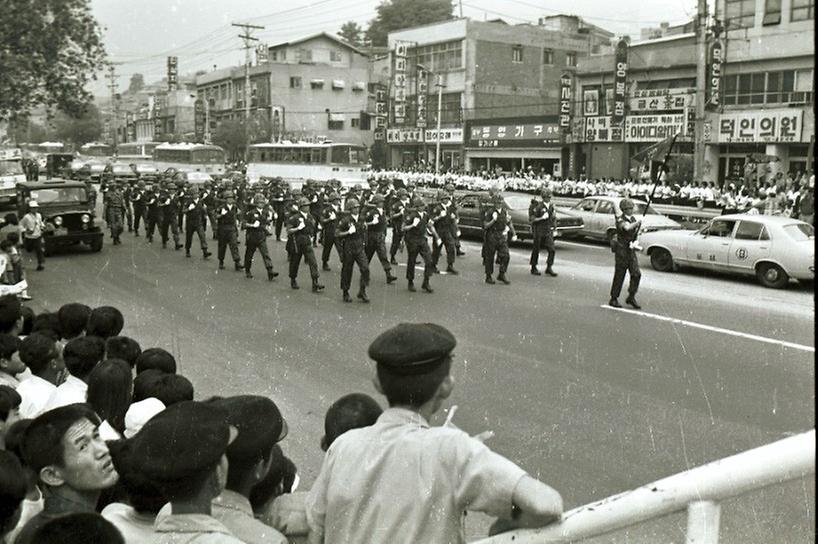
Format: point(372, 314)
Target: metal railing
point(697, 490)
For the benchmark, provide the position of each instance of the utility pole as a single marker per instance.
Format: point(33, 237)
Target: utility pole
point(248, 39)
point(439, 86)
point(701, 86)
point(112, 77)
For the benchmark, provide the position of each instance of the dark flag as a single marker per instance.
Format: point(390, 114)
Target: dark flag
point(655, 152)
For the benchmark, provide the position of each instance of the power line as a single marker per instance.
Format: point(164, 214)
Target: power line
point(248, 40)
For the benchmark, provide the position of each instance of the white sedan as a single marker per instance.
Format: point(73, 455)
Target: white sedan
point(599, 213)
point(773, 248)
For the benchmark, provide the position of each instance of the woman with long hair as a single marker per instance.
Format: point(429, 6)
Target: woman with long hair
point(110, 389)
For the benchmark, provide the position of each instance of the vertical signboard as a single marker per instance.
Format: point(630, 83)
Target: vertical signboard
point(422, 88)
point(261, 53)
point(381, 111)
point(158, 113)
point(199, 119)
point(277, 122)
point(565, 102)
point(620, 89)
point(173, 64)
point(399, 83)
point(715, 66)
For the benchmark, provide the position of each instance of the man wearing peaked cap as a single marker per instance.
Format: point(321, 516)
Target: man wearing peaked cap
point(351, 231)
point(260, 427)
point(375, 217)
point(403, 451)
point(256, 223)
point(301, 227)
point(183, 450)
point(329, 220)
point(227, 230)
point(416, 228)
point(397, 212)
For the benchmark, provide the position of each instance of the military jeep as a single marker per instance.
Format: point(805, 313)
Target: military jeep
point(67, 212)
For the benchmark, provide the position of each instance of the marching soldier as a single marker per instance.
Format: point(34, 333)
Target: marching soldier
point(256, 223)
point(195, 220)
point(376, 236)
point(496, 229)
point(113, 212)
point(444, 218)
point(316, 206)
point(449, 188)
point(416, 227)
point(228, 230)
point(127, 194)
point(277, 197)
point(300, 227)
point(329, 220)
point(169, 204)
point(543, 220)
point(138, 202)
point(397, 214)
point(209, 199)
point(624, 248)
point(153, 212)
point(351, 231)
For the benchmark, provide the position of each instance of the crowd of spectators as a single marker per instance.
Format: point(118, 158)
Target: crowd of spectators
point(102, 441)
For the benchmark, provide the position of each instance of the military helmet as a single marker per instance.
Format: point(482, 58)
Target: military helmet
point(378, 199)
point(352, 203)
point(626, 203)
point(417, 202)
point(402, 193)
point(449, 187)
point(546, 191)
point(228, 194)
point(334, 196)
point(303, 201)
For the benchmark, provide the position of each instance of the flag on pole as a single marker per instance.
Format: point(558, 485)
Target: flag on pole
point(655, 152)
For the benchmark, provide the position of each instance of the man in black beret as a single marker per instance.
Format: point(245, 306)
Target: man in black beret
point(424, 469)
point(182, 449)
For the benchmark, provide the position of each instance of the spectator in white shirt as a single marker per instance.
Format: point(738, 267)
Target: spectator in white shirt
point(33, 225)
point(81, 355)
point(40, 354)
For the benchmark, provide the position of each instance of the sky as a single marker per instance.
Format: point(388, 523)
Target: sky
point(140, 34)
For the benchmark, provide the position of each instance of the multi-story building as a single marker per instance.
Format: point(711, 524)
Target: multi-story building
point(312, 88)
point(498, 86)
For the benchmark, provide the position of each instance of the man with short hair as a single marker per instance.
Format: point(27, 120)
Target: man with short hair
point(105, 322)
point(169, 206)
point(81, 356)
point(10, 363)
point(64, 449)
point(73, 319)
point(156, 358)
point(329, 220)
point(114, 209)
point(41, 356)
point(444, 220)
point(397, 209)
point(33, 226)
point(439, 470)
point(123, 347)
point(169, 388)
point(497, 227)
point(624, 248)
point(11, 315)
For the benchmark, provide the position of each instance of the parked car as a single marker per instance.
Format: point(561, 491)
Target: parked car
point(67, 211)
point(470, 206)
point(192, 178)
point(773, 248)
point(599, 213)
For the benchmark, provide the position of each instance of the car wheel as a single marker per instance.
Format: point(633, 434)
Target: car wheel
point(772, 275)
point(661, 260)
point(96, 245)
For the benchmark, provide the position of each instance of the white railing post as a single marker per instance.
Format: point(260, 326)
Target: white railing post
point(703, 522)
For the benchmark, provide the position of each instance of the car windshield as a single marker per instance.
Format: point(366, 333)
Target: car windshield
point(518, 202)
point(639, 209)
point(59, 195)
point(8, 168)
point(800, 231)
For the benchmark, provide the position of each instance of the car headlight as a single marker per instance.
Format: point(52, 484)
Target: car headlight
point(58, 221)
point(86, 218)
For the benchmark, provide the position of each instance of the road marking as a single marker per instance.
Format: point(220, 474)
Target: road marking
point(693, 324)
point(579, 244)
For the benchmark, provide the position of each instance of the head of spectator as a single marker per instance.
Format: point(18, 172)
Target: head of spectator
point(9, 410)
point(11, 219)
point(168, 388)
point(260, 426)
point(140, 413)
point(47, 323)
point(82, 354)
point(73, 319)
point(110, 387)
point(123, 347)
point(11, 317)
point(28, 321)
point(182, 449)
point(143, 495)
point(105, 322)
point(10, 363)
point(280, 479)
point(413, 364)
point(13, 489)
point(78, 528)
point(156, 358)
point(351, 411)
point(40, 354)
point(63, 447)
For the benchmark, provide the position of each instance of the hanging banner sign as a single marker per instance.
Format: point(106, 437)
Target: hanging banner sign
point(158, 122)
point(598, 129)
point(756, 126)
point(404, 136)
point(399, 83)
point(620, 83)
point(447, 135)
point(199, 119)
point(715, 67)
point(173, 64)
point(638, 128)
point(662, 99)
point(421, 88)
point(565, 101)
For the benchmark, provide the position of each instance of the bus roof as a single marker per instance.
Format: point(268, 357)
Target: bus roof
point(11, 154)
point(304, 144)
point(190, 146)
point(94, 144)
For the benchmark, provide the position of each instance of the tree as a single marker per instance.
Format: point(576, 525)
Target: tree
point(49, 50)
point(351, 33)
point(231, 136)
point(397, 14)
point(26, 131)
point(137, 83)
point(79, 129)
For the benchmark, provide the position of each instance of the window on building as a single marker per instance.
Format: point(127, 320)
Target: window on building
point(772, 12)
point(335, 125)
point(334, 55)
point(355, 122)
point(439, 57)
point(279, 55)
point(548, 56)
point(450, 108)
point(570, 59)
point(517, 54)
point(740, 14)
point(780, 87)
point(305, 55)
point(803, 10)
point(295, 82)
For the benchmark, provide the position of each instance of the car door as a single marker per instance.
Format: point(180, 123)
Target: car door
point(469, 211)
point(585, 209)
point(751, 242)
point(710, 247)
point(604, 218)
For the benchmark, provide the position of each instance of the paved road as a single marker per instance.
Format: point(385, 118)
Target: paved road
point(592, 400)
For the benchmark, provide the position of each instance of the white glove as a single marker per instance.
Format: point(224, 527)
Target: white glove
point(514, 238)
point(331, 216)
point(352, 229)
point(458, 233)
point(192, 206)
point(495, 215)
point(376, 219)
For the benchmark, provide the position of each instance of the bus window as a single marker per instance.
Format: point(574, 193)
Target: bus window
point(316, 156)
point(340, 154)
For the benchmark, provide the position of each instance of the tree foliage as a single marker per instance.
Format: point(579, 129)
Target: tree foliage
point(49, 50)
point(136, 84)
point(231, 136)
point(397, 14)
point(79, 129)
point(351, 32)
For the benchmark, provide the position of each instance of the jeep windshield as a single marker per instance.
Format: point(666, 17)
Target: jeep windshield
point(61, 195)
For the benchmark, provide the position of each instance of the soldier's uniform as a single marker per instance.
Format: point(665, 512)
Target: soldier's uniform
point(444, 219)
point(543, 219)
point(138, 202)
point(277, 197)
point(209, 199)
point(256, 222)
point(316, 207)
point(416, 230)
point(113, 212)
point(376, 236)
point(195, 219)
point(626, 259)
point(169, 204)
point(153, 216)
point(449, 188)
point(351, 232)
point(127, 193)
point(329, 220)
point(301, 227)
point(397, 213)
point(495, 242)
point(227, 230)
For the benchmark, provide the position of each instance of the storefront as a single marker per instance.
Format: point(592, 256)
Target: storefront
point(411, 146)
point(404, 147)
point(508, 145)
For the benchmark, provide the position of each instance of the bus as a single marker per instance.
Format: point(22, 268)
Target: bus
point(96, 149)
point(190, 157)
point(11, 172)
point(299, 161)
point(131, 151)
